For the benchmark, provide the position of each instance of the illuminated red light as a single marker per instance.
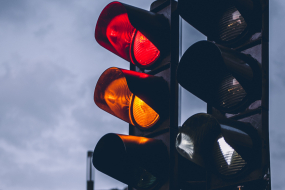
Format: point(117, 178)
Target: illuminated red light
point(145, 52)
point(115, 32)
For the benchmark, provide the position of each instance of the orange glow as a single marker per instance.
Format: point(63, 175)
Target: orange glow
point(117, 96)
point(143, 114)
point(135, 139)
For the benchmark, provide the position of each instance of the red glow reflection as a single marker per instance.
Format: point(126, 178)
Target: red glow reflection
point(120, 33)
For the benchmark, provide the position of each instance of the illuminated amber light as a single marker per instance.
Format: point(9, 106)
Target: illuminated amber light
point(143, 114)
point(113, 95)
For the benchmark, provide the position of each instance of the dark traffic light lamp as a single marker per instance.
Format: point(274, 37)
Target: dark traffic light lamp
point(220, 76)
point(137, 161)
point(230, 23)
point(224, 146)
point(229, 72)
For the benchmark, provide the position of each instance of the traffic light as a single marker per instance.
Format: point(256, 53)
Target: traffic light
point(146, 96)
point(138, 36)
point(229, 72)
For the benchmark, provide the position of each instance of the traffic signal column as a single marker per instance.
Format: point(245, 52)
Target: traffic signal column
point(167, 130)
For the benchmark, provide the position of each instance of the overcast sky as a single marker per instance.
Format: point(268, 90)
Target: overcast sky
point(49, 66)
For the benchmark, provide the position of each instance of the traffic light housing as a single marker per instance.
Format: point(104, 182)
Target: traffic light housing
point(138, 36)
point(137, 161)
point(137, 98)
point(146, 96)
point(229, 72)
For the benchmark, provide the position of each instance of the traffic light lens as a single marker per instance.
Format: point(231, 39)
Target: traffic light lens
point(230, 92)
point(144, 51)
point(143, 114)
point(120, 33)
point(144, 178)
point(231, 24)
point(227, 160)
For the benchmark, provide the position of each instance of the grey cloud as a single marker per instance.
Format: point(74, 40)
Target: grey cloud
point(48, 119)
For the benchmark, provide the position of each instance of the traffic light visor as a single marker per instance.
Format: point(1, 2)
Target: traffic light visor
point(225, 22)
point(113, 95)
point(195, 136)
point(225, 79)
point(224, 148)
point(115, 32)
point(137, 161)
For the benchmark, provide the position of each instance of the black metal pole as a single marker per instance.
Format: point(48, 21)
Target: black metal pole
point(90, 171)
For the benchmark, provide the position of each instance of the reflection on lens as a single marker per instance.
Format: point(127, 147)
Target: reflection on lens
point(184, 145)
point(230, 92)
point(117, 97)
point(226, 149)
point(227, 160)
point(231, 24)
point(119, 33)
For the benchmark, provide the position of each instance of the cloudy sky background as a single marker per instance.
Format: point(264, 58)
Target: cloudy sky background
point(49, 66)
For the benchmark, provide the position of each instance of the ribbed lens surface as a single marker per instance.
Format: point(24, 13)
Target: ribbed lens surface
point(230, 92)
point(227, 160)
point(231, 24)
point(143, 178)
point(145, 52)
point(143, 114)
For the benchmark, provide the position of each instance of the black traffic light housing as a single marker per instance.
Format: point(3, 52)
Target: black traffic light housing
point(220, 76)
point(212, 17)
point(119, 27)
point(146, 153)
point(229, 72)
point(137, 161)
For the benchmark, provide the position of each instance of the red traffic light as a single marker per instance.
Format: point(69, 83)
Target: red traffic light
point(115, 32)
point(131, 96)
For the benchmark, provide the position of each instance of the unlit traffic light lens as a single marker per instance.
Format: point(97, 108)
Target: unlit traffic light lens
point(227, 160)
point(231, 24)
point(229, 92)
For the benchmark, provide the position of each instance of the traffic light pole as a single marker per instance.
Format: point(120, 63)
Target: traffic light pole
point(90, 171)
point(168, 130)
point(265, 92)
